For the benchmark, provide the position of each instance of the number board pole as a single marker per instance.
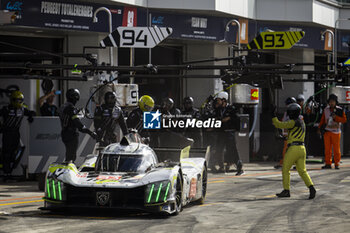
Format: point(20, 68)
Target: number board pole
point(150, 49)
point(95, 20)
point(132, 63)
point(238, 34)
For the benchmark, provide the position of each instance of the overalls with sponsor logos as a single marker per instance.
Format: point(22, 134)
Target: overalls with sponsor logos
point(12, 118)
point(70, 123)
point(106, 120)
point(333, 133)
point(296, 153)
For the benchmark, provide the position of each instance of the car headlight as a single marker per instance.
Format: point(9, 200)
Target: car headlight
point(157, 192)
point(55, 189)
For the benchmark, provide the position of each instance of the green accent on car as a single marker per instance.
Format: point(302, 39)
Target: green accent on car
point(54, 189)
point(70, 166)
point(150, 194)
point(59, 191)
point(48, 188)
point(52, 201)
point(167, 190)
point(159, 190)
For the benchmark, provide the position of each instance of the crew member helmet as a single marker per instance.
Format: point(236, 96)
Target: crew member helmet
point(110, 99)
point(293, 111)
point(188, 103)
point(146, 103)
point(300, 98)
point(222, 95)
point(290, 100)
point(167, 104)
point(188, 100)
point(333, 97)
point(73, 95)
point(17, 99)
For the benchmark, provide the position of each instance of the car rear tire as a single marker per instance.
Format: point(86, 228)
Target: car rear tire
point(178, 195)
point(204, 181)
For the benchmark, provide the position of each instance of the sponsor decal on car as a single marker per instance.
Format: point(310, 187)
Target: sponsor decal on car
point(107, 179)
point(137, 177)
point(193, 188)
point(82, 175)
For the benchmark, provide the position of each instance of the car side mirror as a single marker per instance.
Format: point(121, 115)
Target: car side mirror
point(149, 168)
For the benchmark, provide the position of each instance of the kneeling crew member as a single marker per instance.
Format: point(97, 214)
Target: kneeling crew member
point(106, 118)
point(296, 153)
point(70, 122)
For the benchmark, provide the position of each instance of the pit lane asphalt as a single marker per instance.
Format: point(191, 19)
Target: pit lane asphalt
point(234, 204)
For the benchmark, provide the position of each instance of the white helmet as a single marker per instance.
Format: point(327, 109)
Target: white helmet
point(222, 95)
point(300, 97)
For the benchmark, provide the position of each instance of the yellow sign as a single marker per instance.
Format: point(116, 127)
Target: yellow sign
point(276, 40)
point(254, 94)
point(347, 62)
point(75, 70)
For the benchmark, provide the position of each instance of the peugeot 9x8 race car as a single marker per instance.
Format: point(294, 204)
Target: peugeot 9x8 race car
point(127, 175)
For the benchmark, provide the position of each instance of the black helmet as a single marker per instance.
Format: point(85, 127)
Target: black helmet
point(333, 97)
point(290, 100)
point(293, 111)
point(167, 104)
point(73, 95)
point(110, 99)
point(188, 103)
point(188, 100)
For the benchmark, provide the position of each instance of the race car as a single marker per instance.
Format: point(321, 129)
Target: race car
point(127, 175)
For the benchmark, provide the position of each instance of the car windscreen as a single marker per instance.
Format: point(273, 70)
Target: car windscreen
point(122, 163)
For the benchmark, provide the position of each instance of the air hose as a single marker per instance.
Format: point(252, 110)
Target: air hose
point(86, 112)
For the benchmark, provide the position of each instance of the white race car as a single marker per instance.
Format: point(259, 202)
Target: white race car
point(127, 175)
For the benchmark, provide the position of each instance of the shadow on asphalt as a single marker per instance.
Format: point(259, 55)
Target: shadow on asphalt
point(6, 195)
point(274, 199)
point(93, 214)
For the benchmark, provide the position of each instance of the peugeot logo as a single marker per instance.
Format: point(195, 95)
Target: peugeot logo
point(102, 198)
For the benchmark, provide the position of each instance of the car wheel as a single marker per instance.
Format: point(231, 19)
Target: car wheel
point(178, 195)
point(201, 200)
